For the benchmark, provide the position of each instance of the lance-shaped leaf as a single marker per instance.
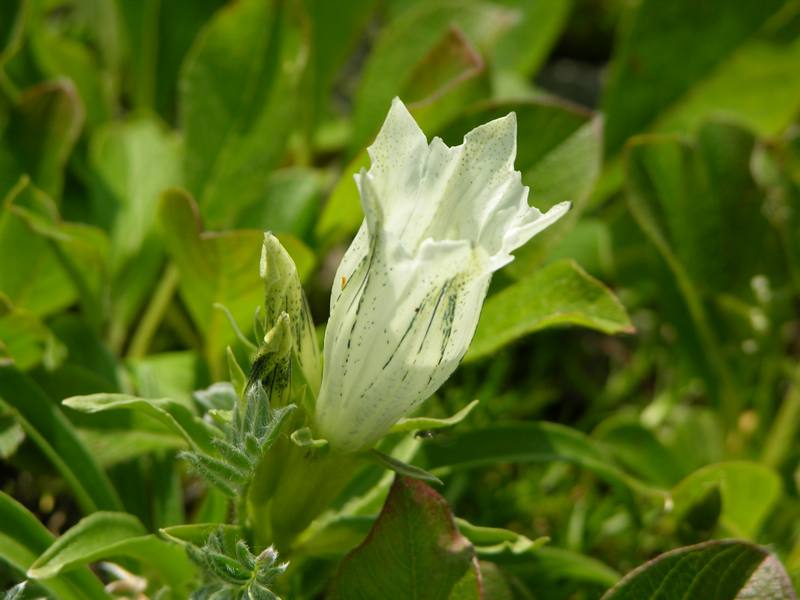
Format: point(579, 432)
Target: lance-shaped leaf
point(414, 551)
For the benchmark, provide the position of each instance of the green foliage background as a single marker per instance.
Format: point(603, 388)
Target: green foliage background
point(145, 145)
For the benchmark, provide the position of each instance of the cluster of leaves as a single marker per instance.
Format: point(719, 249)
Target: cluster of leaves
point(129, 126)
point(237, 573)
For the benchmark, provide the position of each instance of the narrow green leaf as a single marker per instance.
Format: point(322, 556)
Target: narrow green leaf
point(427, 423)
point(53, 433)
point(173, 414)
point(23, 538)
point(525, 442)
point(402, 468)
point(106, 535)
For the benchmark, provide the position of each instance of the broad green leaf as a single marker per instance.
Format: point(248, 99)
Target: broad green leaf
point(25, 339)
point(84, 46)
point(335, 31)
point(416, 423)
point(718, 570)
point(536, 29)
point(523, 442)
point(80, 250)
point(218, 268)
point(107, 535)
point(173, 414)
point(135, 161)
point(233, 88)
point(758, 87)
point(169, 375)
point(645, 80)
point(404, 46)
point(115, 446)
point(640, 450)
point(559, 294)
point(414, 550)
point(41, 133)
point(23, 538)
point(748, 490)
point(50, 430)
point(287, 205)
point(159, 35)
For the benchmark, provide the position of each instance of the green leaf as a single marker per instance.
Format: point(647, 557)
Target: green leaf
point(25, 339)
point(11, 436)
point(42, 131)
point(233, 88)
point(494, 542)
point(106, 535)
point(426, 423)
point(218, 268)
point(718, 570)
point(12, 29)
point(549, 564)
point(84, 46)
point(524, 442)
point(420, 49)
point(638, 448)
point(414, 550)
point(402, 468)
point(52, 432)
point(23, 538)
point(749, 492)
point(526, 45)
point(645, 80)
point(559, 294)
point(135, 161)
point(171, 413)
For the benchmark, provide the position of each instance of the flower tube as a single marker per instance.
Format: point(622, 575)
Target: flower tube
point(409, 290)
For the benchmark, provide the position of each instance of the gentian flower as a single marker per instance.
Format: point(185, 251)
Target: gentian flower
point(409, 290)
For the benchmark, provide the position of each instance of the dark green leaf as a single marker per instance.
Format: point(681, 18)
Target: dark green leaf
point(413, 552)
point(52, 432)
point(723, 570)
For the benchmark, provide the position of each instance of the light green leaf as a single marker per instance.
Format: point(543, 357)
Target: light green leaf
point(233, 90)
point(557, 295)
point(494, 542)
point(219, 268)
point(718, 570)
point(25, 339)
point(403, 468)
point(52, 432)
point(417, 423)
point(106, 535)
point(749, 492)
point(644, 79)
point(173, 414)
point(23, 538)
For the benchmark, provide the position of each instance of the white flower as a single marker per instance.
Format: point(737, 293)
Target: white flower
point(408, 293)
